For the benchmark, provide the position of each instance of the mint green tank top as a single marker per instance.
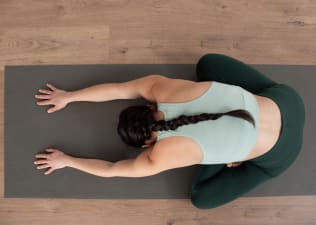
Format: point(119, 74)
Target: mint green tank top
point(227, 139)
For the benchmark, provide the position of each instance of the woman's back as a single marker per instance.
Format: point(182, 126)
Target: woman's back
point(173, 94)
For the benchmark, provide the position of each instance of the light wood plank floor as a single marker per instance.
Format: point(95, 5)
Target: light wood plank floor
point(153, 32)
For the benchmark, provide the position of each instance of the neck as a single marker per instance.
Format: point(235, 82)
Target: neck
point(158, 115)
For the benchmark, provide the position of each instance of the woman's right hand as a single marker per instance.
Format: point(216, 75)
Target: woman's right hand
point(57, 97)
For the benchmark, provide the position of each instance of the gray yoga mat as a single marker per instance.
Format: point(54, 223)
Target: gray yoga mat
point(88, 130)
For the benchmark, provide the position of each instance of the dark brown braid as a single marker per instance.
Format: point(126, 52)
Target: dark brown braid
point(137, 122)
point(184, 120)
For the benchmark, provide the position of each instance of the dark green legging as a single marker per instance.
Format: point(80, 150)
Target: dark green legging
point(218, 184)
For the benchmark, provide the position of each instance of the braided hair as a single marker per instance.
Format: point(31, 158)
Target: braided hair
point(137, 122)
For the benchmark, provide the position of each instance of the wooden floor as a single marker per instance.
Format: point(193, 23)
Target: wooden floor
point(153, 32)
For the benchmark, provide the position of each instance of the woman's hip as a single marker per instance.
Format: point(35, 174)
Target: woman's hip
point(289, 143)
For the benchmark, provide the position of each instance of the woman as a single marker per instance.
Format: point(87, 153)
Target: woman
point(234, 115)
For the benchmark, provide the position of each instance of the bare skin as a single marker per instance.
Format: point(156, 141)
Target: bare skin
point(176, 91)
point(269, 118)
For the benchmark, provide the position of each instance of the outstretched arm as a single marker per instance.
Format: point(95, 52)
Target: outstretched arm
point(141, 87)
point(141, 166)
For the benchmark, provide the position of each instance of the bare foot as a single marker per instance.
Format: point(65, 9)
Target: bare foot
point(233, 164)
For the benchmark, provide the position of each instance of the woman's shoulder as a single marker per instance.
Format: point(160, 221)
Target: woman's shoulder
point(173, 90)
point(180, 149)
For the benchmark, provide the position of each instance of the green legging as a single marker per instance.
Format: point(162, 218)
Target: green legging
point(218, 184)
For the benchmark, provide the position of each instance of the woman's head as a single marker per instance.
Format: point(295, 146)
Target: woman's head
point(136, 123)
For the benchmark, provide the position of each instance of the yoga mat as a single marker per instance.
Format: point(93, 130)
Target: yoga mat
point(88, 130)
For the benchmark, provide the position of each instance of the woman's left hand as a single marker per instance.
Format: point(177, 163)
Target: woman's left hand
point(55, 160)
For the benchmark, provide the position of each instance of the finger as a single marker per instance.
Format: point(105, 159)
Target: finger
point(46, 102)
point(49, 171)
point(43, 96)
point(44, 91)
point(42, 166)
point(40, 162)
point(50, 149)
point(51, 86)
point(52, 109)
point(41, 156)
